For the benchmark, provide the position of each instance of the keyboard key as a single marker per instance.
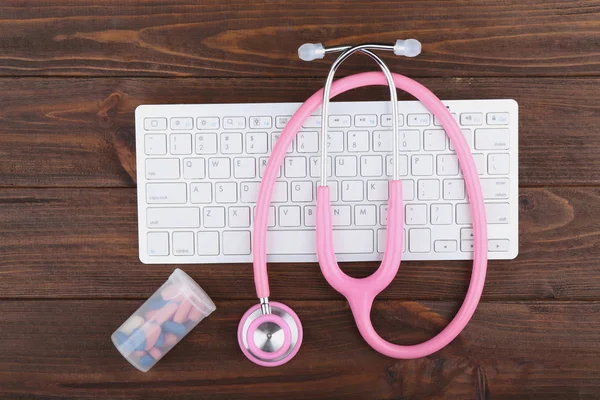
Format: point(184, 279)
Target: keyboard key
point(281, 121)
point(362, 120)
point(377, 190)
point(208, 243)
point(307, 142)
point(182, 217)
point(231, 143)
point(365, 215)
point(422, 165)
point(340, 121)
point(428, 189)
point(295, 167)
point(402, 162)
point(234, 123)
point(479, 163)
point(193, 168)
point(271, 219)
point(437, 122)
point(419, 240)
point(157, 243)
point(355, 241)
point(155, 124)
point(386, 120)
point(416, 214)
point(463, 214)
point(498, 164)
point(315, 167)
point(182, 124)
point(183, 243)
point(408, 190)
point(214, 217)
point(257, 143)
point(155, 144)
point(236, 243)
point(467, 245)
point(352, 191)
point(358, 141)
point(280, 193)
point(441, 214)
point(261, 122)
point(471, 119)
point(467, 234)
point(382, 141)
point(310, 216)
point(498, 245)
point(206, 143)
point(454, 189)
point(274, 137)
point(314, 121)
point(409, 141)
point(345, 166)
point(445, 246)
point(447, 164)
point(166, 193)
point(293, 242)
point(219, 168)
point(239, 217)
point(497, 118)
point(333, 190)
point(226, 192)
point(181, 143)
point(383, 214)
point(495, 188)
point(302, 192)
point(497, 213)
point(162, 168)
point(207, 123)
point(335, 141)
point(262, 165)
point(468, 135)
point(418, 120)
point(434, 140)
point(371, 166)
point(244, 168)
point(492, 139)
point(382, 240)
point(201, 193)
point(249, 192)
point(340, 215)
point(289, 216)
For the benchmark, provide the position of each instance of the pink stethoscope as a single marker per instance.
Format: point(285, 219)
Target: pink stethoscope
point(270, 333)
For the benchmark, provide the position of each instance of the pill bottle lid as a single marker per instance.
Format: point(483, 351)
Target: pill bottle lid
point(193, 292)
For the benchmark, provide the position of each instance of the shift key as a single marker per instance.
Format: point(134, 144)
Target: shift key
point(181, 217)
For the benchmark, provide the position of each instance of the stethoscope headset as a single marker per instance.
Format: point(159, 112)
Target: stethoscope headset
point(270, 333)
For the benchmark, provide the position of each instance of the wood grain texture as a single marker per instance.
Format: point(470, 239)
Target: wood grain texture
point(62, 350)
point(82, 243)
point(260, 38)
point(80, 132)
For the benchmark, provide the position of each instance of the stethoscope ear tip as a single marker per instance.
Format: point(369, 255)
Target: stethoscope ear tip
point(311, 51)
point(407, 48)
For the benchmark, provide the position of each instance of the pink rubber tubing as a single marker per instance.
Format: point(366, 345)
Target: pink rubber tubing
point(360, 293)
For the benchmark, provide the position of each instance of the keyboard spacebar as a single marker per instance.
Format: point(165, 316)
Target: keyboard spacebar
point(304, 242)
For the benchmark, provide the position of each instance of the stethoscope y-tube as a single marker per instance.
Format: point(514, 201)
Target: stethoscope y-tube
point(270, 333)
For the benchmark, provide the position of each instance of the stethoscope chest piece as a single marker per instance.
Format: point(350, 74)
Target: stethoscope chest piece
point(270, 339)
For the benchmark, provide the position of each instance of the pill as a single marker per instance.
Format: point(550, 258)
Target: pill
point(152, 332)
point(154, 352)
point(170, 292)
point(120, 337)
point(157, 302)
point(137, 340)
point(147, 360)
point(170, 339)
point(150, 314)
point(174, 327)
point(165, 313)
point(182, 312)
point(139, 353)
point(132, 324)
point(160, 341)
point(195, 314)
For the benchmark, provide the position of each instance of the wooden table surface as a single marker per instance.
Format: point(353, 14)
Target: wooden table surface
point(72, 73)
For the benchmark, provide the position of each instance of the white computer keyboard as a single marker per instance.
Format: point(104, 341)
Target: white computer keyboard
point(199, 169)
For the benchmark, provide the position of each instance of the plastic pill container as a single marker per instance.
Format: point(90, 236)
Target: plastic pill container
point(162, 321)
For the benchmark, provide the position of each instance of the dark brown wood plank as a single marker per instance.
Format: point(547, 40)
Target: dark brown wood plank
point(240, 38)
point(62, 350)
point(80, 132)
point(59, 243)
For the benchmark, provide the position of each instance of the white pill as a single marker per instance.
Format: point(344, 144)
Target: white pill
point(132, 324)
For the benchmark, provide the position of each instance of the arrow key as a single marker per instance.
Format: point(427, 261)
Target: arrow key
point(444, 246)
point(498, 245)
